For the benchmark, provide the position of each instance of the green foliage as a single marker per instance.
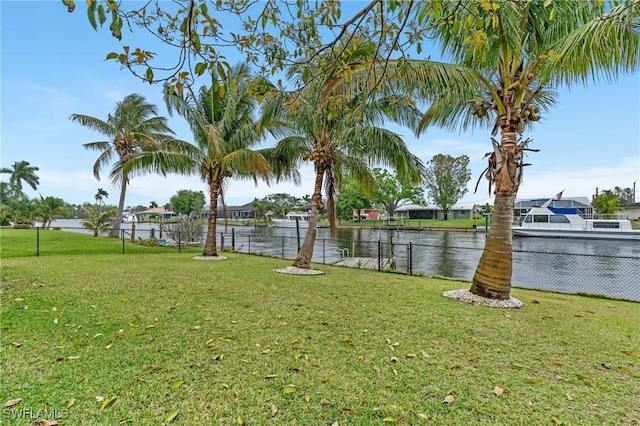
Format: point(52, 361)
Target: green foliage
point(97, 221)
point(351, 199)
point(391, 193)
point(47, 208)
point(447, 179)
point(186, 202)
point(279, 204)
point(607, 202)
point(21, 172)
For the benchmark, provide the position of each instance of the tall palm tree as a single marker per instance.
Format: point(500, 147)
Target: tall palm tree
point(22, 171)
point(339, 129)
point(222, 120)
point(100, 196)
point(133, 127)
point(517, 52)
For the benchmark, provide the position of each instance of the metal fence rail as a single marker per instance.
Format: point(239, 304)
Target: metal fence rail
point(610, 276)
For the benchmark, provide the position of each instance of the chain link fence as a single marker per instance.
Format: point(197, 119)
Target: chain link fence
point(609, 276)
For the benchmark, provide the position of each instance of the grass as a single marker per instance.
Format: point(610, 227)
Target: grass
point(24, 242)
point(231, 342)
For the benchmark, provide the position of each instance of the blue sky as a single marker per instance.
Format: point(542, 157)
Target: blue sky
point(52, 66)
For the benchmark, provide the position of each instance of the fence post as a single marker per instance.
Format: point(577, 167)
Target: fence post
point(282, 246)
point(122, 240)
point(179, 242)
point(410, 258)
point(221, 240)
point(233, 239)
point(249, 251)
point(379, 255)
point(133, 232)
point(37, 241)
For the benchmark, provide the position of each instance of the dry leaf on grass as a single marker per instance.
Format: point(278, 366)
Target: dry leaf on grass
point(449, 399)
point(498, 390)
point(274, 410)
point(12, 402)
point(424, 417)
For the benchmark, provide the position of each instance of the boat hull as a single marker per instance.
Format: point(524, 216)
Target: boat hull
point(289, 223)
point(593, 235)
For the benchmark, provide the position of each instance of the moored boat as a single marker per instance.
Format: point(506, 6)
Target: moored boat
point(565, 222)
point(290, 220)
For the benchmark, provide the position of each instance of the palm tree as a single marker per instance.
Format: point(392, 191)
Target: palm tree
point(517, 51)
point(98, 222)
point(221, 119)
point(340, 131)
point(100, 195)
point(133, 127)
point(47, 208)
point(153, 205)
point(22, 171)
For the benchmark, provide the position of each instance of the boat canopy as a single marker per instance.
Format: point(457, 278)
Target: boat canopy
point(563, 210)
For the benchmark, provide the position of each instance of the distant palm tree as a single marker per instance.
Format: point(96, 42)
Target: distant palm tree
point(100, 195)
point(221, 118)
point(97, 222)
point(153, 205)
point(133, 127)
point(22, 171)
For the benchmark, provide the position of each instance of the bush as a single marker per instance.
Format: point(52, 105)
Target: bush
point(149, 242)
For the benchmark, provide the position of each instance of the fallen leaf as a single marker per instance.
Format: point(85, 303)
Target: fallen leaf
point(555, 420)
point(449, 399)
point(587, 382)
point(177, 384)
point(424, 417)
point(516, 366)
point(70, 403)
point(44, 422)
point(534, 381)
point(335, 424)
point(108, 402)
point(274, 410)
point(12, 402)
point(240, 420)
point(569, 397)
point(16, 344)
point(270, 376)
point(289, 389)
point(307, 397)
point(498, 390)
point(266, 351)
point(535, 301)
point(424, 354)
point(346, 410)
point(172, 416)
point(412, 356)
point(73, 357)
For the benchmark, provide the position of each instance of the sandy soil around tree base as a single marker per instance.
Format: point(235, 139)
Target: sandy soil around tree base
point(465, 295)
point(292, 270)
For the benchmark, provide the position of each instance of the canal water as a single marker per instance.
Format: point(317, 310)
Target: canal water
point(610, 268)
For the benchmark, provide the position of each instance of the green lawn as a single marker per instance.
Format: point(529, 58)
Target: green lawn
point(25, 242)
point(107, 339)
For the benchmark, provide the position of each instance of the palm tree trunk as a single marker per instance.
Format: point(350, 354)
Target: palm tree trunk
point(117, 221)
point(492, 278)
point(303, 259)
point(210, 244)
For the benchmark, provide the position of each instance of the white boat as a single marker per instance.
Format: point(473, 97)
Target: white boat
point(290, 220)
point(129, 218)
point(565, 222)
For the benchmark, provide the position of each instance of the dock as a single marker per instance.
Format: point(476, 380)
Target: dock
point(366, 262)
